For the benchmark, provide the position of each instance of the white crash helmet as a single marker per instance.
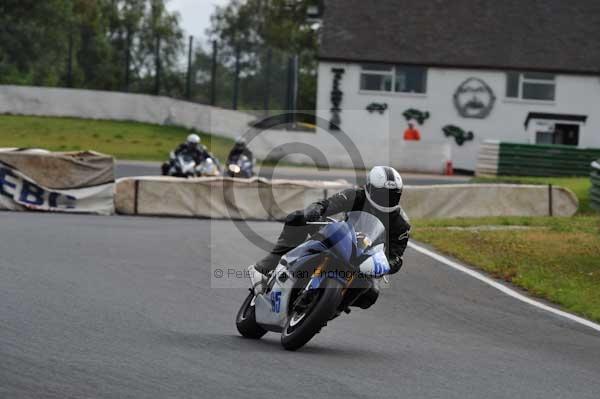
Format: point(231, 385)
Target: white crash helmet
point(384, 188)
point(193, 139)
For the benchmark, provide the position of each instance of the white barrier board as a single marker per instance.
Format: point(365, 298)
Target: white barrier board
point(18, 192)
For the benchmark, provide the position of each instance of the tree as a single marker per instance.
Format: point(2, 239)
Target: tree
point(33, 42)
point(159, 47)
point(257, 25)
point(112, 43)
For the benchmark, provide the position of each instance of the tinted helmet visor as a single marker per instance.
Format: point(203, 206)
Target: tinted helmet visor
point(385, 197)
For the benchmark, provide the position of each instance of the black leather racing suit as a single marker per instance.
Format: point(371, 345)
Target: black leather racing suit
point(198, 153)
point(295, 230)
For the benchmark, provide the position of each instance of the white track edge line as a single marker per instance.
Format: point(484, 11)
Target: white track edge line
point(506, 290)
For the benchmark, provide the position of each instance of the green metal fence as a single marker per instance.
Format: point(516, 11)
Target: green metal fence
point(595, 190)
point(544, 160)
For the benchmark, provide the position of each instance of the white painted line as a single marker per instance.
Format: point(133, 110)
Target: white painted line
point(508, 291)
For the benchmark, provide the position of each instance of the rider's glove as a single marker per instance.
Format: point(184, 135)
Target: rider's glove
point(376, 265)
point(312, 214)
point(395, 264)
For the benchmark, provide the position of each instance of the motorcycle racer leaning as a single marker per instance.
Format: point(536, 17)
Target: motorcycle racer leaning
point(192, 147)
point(380, 197)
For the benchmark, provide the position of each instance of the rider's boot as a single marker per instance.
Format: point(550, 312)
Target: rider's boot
point(257, 280)
point(367, 299)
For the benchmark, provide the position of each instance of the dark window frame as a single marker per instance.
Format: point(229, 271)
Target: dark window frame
point(529, 85)
point(412, 78)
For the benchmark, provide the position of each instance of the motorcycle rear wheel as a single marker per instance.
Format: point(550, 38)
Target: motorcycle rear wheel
point(245, 320)
point(302, 326)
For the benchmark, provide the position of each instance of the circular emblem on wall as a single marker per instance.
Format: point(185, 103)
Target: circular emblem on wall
point(474, 99)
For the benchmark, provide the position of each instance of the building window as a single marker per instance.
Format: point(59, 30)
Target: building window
point(563, 133)
point(531, 86)
point(388, 78)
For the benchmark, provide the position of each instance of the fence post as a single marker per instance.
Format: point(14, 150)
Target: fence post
point(236, 82)
point(267, 92)
point(294, 99)
point(292, 89)
point(550, 201)
point(595, 187)
point(188, 91)
point(157, 66)
point(70, 60)
point(213, 75)
point(127, 58)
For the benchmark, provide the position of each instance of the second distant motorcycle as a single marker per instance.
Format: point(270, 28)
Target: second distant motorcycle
point(241, 167)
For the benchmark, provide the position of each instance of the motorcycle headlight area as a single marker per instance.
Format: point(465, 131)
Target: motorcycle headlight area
point(363, 241)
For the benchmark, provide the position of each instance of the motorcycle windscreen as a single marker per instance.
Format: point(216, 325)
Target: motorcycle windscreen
point(186, 163)
point(369, 229)
point(187, 158)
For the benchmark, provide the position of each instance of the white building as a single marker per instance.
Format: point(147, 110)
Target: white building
point(510, 70)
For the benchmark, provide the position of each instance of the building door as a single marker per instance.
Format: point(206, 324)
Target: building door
point(567, 134)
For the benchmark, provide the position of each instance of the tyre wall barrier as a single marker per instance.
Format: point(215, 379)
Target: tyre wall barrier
point(595, 189)
point(259, 199)
point(481, 200)
point(219, 198)
point(487, 160)
point(510, 159)
point(75, 182)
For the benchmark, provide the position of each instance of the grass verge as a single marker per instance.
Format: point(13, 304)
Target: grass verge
point(557, 259)
point(123, 140)
point(579, 185)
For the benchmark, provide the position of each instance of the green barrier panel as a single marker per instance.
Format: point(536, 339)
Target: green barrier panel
point(545, 160)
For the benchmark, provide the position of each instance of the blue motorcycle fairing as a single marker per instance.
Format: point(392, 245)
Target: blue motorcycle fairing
point(308, 248)
point(314, 282)
point(340, 239)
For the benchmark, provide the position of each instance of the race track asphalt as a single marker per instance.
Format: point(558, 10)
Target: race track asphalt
point(123, 307)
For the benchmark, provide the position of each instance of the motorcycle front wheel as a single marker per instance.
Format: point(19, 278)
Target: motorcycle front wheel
point(304, 324)
point(245, 320)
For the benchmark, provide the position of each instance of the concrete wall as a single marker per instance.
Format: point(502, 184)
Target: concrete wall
point(574, 95)
point(89, 104)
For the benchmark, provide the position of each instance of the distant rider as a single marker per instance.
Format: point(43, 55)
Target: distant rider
point(192, 147)
point(240, 148)
point(380, 197)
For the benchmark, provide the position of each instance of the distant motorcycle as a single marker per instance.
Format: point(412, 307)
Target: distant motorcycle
point(241, 167)
point(316, 281)
point(184, 165)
